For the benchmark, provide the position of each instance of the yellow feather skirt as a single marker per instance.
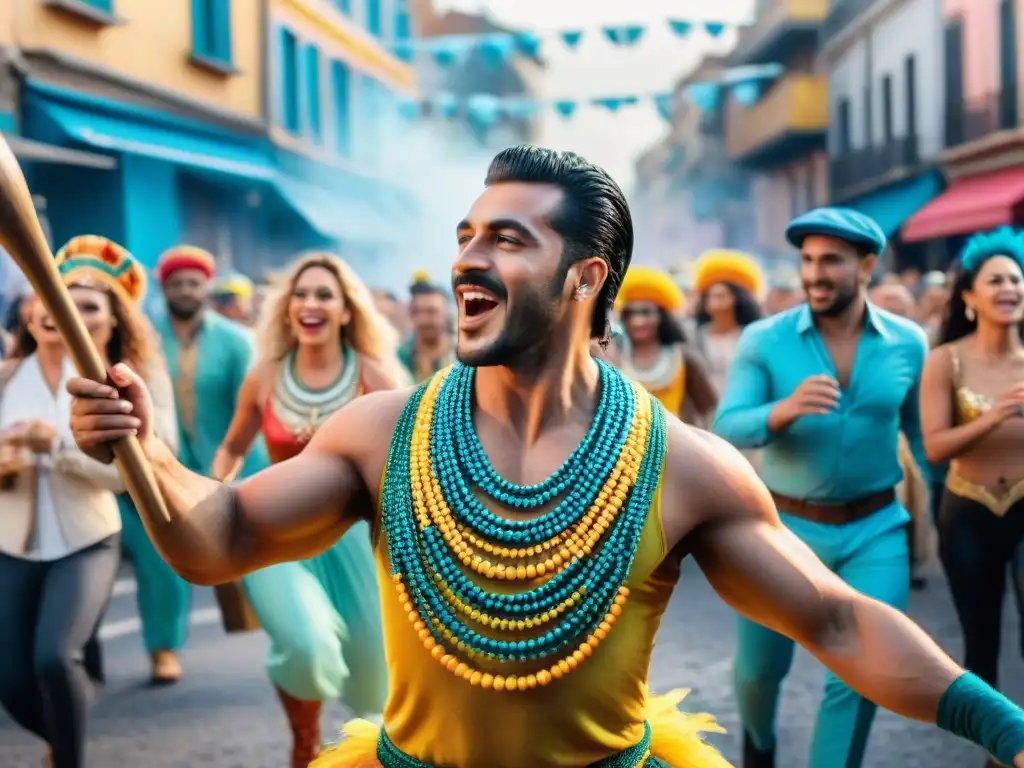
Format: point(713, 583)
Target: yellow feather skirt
point(676, 738)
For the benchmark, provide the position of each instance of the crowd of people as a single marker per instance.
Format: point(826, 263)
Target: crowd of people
point(806, 369)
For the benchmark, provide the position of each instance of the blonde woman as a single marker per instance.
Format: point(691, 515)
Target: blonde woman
point(320, 343)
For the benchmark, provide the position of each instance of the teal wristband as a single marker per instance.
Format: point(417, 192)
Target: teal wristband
point(973, 710)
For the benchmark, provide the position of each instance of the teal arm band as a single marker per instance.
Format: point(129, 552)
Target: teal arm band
point(973, 710)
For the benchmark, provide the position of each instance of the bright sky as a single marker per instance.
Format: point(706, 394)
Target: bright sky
point(596, 68)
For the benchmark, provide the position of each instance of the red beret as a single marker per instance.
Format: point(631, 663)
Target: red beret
point(184, 257)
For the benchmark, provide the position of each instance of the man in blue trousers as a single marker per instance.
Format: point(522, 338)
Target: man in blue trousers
point(825, 388)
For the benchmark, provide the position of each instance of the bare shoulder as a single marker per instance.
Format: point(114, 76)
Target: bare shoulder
point(707, 482)
point(940, 359)
point(375, 376)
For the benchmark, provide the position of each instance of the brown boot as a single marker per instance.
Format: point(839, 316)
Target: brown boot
point(304, 720)
point(166, 669)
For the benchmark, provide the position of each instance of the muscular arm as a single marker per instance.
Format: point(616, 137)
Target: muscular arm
point(244, 427)
point(943, 440)
point(290, 511)
point(764, 572)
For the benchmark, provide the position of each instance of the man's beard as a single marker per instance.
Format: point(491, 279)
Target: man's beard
point(184, 311)
point(844, 298)
point(528, 324)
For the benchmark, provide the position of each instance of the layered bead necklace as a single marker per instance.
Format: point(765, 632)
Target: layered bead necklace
point(572, 561)
point(302, 410)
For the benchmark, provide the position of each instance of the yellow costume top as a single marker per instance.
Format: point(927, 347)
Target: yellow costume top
point(533, 719)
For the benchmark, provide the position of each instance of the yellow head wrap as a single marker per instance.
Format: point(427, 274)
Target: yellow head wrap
point(653, 285)
point(725, 266)
point(233, 284)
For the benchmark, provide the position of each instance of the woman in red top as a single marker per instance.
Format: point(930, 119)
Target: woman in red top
point(321, 343)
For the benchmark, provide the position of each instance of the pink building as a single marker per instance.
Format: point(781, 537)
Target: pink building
point(982, 25)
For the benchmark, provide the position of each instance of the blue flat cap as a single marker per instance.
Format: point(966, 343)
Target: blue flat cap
point(843, 223)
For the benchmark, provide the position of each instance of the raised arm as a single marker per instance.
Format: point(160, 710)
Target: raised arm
point(244, 427)
point(290, 511)
point(767, 574)
point(943, 438)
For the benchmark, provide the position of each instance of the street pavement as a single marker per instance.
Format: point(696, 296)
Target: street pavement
point(224, 713)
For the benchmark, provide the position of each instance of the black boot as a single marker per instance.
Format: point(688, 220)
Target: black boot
point(755, 758)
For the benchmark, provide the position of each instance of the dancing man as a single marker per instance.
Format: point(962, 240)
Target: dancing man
point(825, 388)
point(531, 507)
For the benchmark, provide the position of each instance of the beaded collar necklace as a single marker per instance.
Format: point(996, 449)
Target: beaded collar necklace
point(570, 564)
point(301, 409)
point(659, 374)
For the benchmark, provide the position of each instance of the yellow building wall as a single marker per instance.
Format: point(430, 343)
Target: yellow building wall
point(151, 44)
point(340, 37)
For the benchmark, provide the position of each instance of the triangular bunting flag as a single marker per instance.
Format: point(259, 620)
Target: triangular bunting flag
point(704, 96)
point(496, 49)
point(679, 27)
point(408, 109)
point(483, 108)
point(663, 103)
point(625, 35)
point(565, 108)
point(714, 28)
point(528, 44)
point(746, 92)
point(615, 103)
point(571, 37)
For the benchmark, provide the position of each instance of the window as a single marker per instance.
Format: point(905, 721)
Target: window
point(887, 109)
point(910, 94)
point(953, 44)
point(844, 126)
point(211, 30)
point(1007, 64)
point(313, 112)
point(402, 25)
point(289, 94)
point(868, 112)
point(374, 21)
point(341, 91)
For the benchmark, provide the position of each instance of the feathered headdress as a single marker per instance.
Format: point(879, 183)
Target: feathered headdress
point(981, 247)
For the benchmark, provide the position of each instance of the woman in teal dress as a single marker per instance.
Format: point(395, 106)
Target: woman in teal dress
point(320, 343)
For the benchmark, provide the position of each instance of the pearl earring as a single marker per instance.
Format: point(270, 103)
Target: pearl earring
point(970, 314)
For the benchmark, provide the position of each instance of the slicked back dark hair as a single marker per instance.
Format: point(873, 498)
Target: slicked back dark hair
point(593, 217)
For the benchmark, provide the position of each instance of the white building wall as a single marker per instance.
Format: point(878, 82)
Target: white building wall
point(885, 36)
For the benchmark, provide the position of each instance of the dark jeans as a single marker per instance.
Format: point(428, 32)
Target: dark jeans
point(48, 612)
point(977, 548)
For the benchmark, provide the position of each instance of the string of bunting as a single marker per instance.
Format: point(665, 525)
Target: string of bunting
point(745, 84)
point(496, 48)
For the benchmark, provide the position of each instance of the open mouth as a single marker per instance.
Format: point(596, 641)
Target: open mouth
point(1010, 304)
point(312, 323)
point(477, 303)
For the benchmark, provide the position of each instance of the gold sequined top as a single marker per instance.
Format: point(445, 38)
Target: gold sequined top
point(969, 404)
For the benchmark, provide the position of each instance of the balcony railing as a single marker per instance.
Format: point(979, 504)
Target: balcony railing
point(970, 121)
point(841, 15)
point(796, 106)
point(857, 168)
point(777, 30)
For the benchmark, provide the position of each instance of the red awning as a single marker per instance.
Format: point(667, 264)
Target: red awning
point(970, 205)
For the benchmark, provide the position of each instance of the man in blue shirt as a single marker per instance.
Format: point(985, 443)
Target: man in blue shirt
point(825, 388)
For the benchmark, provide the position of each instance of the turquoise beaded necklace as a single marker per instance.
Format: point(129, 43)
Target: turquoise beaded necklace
point(421, 557)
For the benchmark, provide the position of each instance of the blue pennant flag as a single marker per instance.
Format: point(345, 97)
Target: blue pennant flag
point(528, 44)
point(565, 108)
point(663, 103)
point(449, 51)
point(626, 35)
point(714, 28)
point(704, 95)
point(615, 103)
point(679, 27)
point(409, 109)
point(746, 92)
point(495, 49)
point(520, 109)
point(483, 108)
point(571, 37)
point(447, 105)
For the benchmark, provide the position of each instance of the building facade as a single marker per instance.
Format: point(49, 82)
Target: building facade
point(983, 143)
point(688, 196)
point(780, 139)
point(156, 128)
point(887, 110)
point(333, 86)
